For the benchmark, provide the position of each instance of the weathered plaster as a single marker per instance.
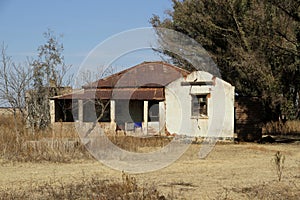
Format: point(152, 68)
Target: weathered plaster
point(220, 119)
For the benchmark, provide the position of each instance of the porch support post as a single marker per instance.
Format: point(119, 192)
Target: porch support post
point(162, 117)
point(113, 125)
point(52, 111)
point(80, 110)
point(145, 117)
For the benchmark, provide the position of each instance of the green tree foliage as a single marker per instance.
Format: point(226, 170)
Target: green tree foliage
point(255, 43)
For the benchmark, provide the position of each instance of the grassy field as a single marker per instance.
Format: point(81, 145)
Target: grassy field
point(52, 165)
point(231, 171)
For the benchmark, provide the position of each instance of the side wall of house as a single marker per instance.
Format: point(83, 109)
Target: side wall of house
point(219, 121)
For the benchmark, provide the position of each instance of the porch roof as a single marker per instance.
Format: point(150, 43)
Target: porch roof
point(117, 93)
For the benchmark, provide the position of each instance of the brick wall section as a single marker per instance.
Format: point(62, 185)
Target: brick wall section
point(249, 116)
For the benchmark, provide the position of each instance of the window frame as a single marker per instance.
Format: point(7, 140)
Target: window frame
point(199, 106)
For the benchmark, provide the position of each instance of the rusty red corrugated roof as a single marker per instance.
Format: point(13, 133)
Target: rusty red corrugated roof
point(145, 81)
point(146, 74)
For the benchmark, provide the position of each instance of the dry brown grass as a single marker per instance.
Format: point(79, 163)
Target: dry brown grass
point(139, 144)
point(279, 128)
point(18, 143)
point(268, 190)
point(60, 143)
point(85, 188)
point(244, 171)
point(231, 171)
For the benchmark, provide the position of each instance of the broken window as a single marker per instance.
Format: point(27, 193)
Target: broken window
point(199, 105)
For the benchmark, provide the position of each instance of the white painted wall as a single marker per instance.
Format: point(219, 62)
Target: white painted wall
point(52, 110)
point(220, 119)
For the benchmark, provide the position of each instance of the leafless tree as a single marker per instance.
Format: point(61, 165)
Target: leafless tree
point(49, 75)
point(14, 82)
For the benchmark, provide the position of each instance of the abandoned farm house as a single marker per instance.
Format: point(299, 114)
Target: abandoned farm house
point(153, 98)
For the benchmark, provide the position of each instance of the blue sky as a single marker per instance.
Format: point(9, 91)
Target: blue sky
point(84, 24)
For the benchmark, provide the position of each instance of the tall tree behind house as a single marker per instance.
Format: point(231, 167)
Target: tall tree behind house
point(256, 45)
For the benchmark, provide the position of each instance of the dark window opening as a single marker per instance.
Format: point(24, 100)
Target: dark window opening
point(66, 110)
point(103, 110)
point(136, 111)
point(96, 110)
point(153, 111)
point(130, 112)
point(199, 105)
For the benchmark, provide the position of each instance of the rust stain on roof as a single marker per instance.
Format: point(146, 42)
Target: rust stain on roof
point(147, 74)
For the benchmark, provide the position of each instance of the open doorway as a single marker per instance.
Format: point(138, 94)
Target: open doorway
point(129, 112)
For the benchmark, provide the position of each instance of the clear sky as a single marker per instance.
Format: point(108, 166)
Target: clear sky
point(84, 24)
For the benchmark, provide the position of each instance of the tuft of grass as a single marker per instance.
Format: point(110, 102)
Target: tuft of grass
point(278, 163)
